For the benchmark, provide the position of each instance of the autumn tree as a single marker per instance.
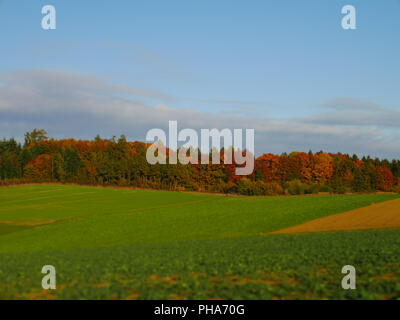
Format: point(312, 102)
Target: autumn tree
point(36, 135)
point(117, 161)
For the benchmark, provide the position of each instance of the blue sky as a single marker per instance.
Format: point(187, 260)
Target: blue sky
point(286, 68)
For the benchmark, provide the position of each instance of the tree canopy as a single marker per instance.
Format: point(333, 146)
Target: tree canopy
point(120, 162)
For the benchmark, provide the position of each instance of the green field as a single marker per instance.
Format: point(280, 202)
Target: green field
point(139, 244)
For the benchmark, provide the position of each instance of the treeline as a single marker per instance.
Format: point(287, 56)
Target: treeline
point(118, 162)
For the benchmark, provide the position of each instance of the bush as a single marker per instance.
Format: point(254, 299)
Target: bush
point(325, 188)
point(396, 188)
point(273, 189)
point(312, 189)
point(229, 187)
point(341, 189)
point(245, 187)
point(295, 187)
point(218, 187)
point(258, 188)
point(14, 181)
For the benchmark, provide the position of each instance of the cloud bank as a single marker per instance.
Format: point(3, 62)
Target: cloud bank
point(81, 106)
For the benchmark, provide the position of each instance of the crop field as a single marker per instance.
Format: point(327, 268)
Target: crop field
point(384, 215)
point(108, 243)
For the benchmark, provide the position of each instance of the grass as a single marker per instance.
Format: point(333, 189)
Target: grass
point(284, 267)
point(6, 228)
point(38, 203)
point(117, 243)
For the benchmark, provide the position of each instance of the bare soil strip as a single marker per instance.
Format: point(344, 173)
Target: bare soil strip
point(384, 215)
point(30, 224)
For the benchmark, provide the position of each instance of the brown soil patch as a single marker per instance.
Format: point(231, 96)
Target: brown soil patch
point(133, 296)
point(169, 280)
point(387, 277)
point(384, 215)
point(29, 224)
point(38, 295)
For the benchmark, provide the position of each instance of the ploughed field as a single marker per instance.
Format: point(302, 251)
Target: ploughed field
point(383, 215)
point(108, 243)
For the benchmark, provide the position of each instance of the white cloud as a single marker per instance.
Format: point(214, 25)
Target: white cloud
point(356, 112)
point(81, 106)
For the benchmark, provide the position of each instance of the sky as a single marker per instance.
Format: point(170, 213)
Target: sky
point(285, 68)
